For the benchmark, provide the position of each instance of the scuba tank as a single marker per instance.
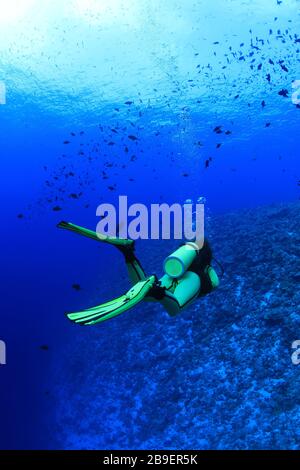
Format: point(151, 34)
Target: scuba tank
point(176, 264)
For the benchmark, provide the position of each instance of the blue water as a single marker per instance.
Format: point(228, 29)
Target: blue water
point(169, 73)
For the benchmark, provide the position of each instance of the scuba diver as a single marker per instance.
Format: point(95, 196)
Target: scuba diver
point(188, 276)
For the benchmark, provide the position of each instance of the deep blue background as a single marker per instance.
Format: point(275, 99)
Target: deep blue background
point(71, 68)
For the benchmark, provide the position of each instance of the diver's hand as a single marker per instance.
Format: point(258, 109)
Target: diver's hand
point(157, 291)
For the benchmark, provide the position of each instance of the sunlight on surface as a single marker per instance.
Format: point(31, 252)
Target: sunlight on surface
point(13, 10)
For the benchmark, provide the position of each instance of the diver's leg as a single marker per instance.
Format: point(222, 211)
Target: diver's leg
point(100, 237)
point(126, 246)
point(135, 270)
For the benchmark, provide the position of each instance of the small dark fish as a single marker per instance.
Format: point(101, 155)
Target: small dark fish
point(73, 196)
point(56, 208)
point(268, 77)
point(218, 146)
point(76, 287)
point(73, 134)
point(236, 97)
point(20, 216)
point(207, 162)
point(82, 133)
point(132, 137)
point(267, 124)
point(128, 103)
point(284, 93)
point(284, 68)
point(111, 188)
point(218, 130)
point(228, 132)
point(111, 143)
point(259, 67)
point(271, 62)
point(66, 142)
point(263, 103)
point(117, 109)
point(44, 347)
point(216, 42)
point(185, 174)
